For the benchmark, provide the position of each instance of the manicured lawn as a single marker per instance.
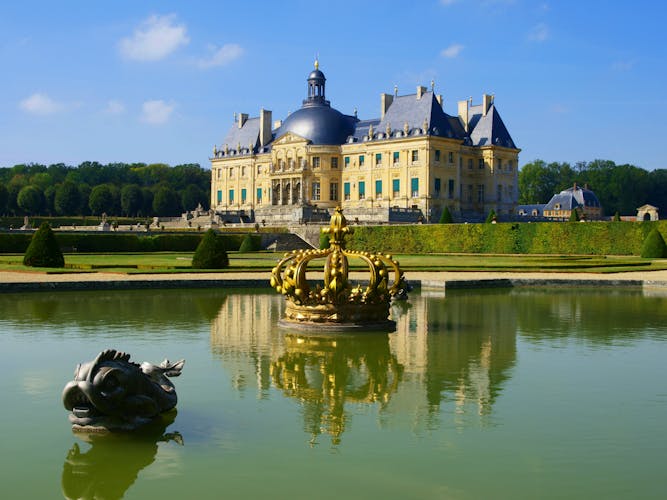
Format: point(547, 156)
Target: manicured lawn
point(170, 262)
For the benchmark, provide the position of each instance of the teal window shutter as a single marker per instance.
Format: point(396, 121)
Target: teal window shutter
point(231, 196)
point(378, 187)
point(259, 194)
point(396, 185)
point(346, 188)
point(362, 188)
point(219, 196)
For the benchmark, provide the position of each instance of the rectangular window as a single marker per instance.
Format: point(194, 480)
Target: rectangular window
point(362, 190)
point(436, 187)
point(259, 196)
point(451, 157)
point(510, 165)
point(334, 162)
point(346, 191)
point(347, 161)
point(219, 196)
point(361, 160)
point(244, 194)
point(414, 154)
point(414, 187)
point(499, 192)
point(396, 157)
point(437, 155)
point(333, 191)
point(450, 188)
point(378, 158)
point(231, 196)
point(481, 163)
point(316, 191)
point(480, 193)
point(469, 193)
point(470, 163)
point(378, 190)
point(396, 187)
point(316, 161)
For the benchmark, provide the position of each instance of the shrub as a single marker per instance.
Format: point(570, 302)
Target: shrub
point(574, 215)
point(324, 241)
point(617, 217)
point(250, 243)
point(654, 246)
point(210, 253)
point(491, 217)
point(43, 250)
point(446, 216)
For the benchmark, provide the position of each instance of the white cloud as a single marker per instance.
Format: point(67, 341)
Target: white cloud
point(539, 33)
point(452, 51)
point(40, 104)
point(156, 112)
point(115, 107)
point(625, 65)
point(221, 56)
point(155, 39)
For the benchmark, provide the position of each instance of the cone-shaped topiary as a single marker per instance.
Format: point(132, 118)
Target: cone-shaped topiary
point(210, 253)
point(654, 246)
point(250, 243)
point(324, 241)
point(617, 217)
point(574, 215)
point(491, 217)
point(446, 216)
point(43, 250)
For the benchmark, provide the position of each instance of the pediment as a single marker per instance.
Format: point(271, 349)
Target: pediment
point(290, 138)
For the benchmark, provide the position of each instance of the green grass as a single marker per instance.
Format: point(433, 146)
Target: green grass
point(179, 262)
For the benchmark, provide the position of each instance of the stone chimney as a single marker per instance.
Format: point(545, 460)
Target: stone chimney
point(264, 127)
point(242, 119)
point(385, 102)
point(487, 101)
point(277, 124)
point(439, 99)
point(463, 114)
point(420, 91)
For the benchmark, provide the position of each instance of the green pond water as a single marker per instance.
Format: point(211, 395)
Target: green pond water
point(522, 393)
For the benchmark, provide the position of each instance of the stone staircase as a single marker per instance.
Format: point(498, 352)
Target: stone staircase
point(286, 242)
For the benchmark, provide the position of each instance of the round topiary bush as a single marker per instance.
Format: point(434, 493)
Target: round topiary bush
point(324, 241)
point(43, 250)
point(654, 246)
point(250, 243)
point(446, 216)
point(210, 253)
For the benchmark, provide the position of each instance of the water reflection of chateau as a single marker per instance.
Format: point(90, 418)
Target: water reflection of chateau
point(447, 357)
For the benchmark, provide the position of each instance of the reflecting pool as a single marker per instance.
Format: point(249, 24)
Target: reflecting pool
point(517, 393)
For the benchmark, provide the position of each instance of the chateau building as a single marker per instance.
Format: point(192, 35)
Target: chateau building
point(583, 200)
point(404, 166)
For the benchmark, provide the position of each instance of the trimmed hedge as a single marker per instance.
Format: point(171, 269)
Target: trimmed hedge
point(43, 250)
point(654, 246)
point(251, 243)
point(591, 238)
point(210, 253)
point(116, 242)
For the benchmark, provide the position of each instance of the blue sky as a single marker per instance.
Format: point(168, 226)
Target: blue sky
point(159, 81)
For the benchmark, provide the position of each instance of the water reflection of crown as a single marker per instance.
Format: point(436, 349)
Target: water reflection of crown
point(337, 302)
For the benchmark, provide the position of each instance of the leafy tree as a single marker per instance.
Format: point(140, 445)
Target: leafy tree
point(84, 198)
point(30, 199)
point(617, 217)
point(446, 216)
point(68, 199)
point(147, 202)
point(654, 246)
point(4, 195)
point(15, 185)
point(210, 253)
point(131, 199)
point(191, 196)
point(101, 200)
point(49, 200)
point(42, 180)
point(166, 202)
point(43, 250)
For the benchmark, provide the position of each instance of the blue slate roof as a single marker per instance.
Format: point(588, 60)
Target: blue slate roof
point(571, 198)
point(489, 129)
point(248, 133)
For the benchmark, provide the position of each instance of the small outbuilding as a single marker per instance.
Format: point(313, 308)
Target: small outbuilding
point(583, 200)
point(647, 212)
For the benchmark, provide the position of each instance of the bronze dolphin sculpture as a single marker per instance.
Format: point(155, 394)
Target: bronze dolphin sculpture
point(112, 393)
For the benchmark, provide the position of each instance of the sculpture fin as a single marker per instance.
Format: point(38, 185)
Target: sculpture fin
point(172, 369)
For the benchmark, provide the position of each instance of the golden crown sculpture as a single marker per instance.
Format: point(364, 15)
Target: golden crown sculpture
point(337, 302)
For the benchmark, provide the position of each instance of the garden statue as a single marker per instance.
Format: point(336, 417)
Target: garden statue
point(112, 393)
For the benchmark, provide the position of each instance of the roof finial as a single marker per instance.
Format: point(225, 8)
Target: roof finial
point(432, 85)
point(317, 61)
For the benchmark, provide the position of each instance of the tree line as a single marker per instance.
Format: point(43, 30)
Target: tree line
point(92, 188)
point(620, 188)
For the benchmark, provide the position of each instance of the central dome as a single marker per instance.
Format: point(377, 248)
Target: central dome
point(319, 124)
point(317, 121)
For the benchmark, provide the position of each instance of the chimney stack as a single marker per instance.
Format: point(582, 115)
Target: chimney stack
point(463, 114)
point(242, 119)
point(385, 102)
point(421, 90)
point(439, 99)
point(487, 101)
point(264, 127)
